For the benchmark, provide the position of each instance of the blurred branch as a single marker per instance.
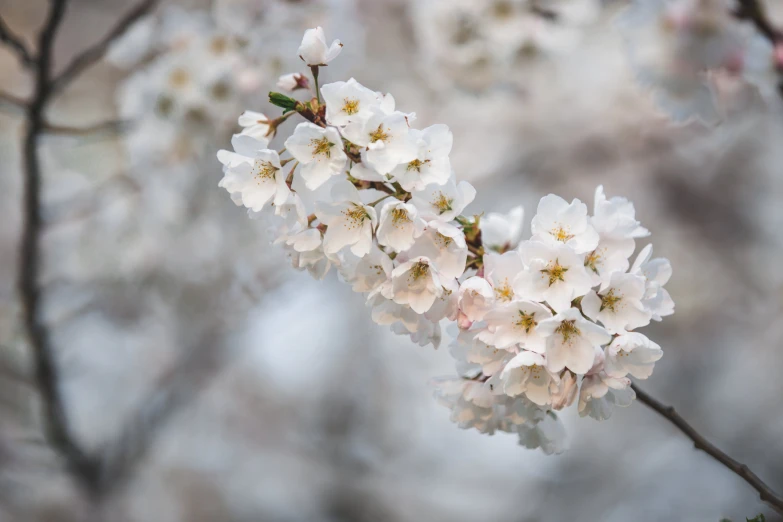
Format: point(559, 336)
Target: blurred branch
point(113, 126)
point(765, 492)
point(10, 99)
point(46, 374)
point(16, 44)
point(754, 11)
point(93, 54)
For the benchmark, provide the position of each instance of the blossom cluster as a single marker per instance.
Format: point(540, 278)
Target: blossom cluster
point(537, 322)
point(478, 45)
point(682, 49)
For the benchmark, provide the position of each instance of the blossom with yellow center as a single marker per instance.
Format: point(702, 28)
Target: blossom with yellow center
point(555, 271)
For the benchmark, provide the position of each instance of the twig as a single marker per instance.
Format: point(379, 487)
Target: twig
point(16, 44)
point(753, 11)
point(113, 126)
point(93, 54)
point(10, 99)
point(46, 373)
point(765, 492)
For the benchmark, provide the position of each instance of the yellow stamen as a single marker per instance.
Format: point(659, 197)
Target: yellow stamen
point(504, 292)
point(609, 300)
point(379, 134)
point(568, 329)
point(322, 146)
point(526, 321)
point(555, 271)
point(350, 106)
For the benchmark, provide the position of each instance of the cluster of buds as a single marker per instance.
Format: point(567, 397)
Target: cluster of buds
point(538, 322)
point(681, 48)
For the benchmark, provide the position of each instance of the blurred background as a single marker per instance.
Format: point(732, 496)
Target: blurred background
point(290, 404)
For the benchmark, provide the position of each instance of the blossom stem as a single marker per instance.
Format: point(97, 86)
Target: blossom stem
point(766, 494)
point(314, 70)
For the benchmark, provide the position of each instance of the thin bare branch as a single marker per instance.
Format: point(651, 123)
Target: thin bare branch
point(16, 44)
point(93, 54)
point(47, 379)
point(754, 11)
point(15, 101)
point(112, 127)
point(766, 493)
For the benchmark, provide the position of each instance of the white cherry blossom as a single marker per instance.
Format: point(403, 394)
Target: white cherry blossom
point(656, 273)
point(476, 298)
point(571, 340)
point(256, 175)
point(500, 271)
point(349, 222)
point(399, 225)
point(527, 373)
point(292, 82)
point(254, 124)
point(501, 232)
point(516, 323)
point(348, 102)
point(553, 273)
point(416, 283)
point(444, 202)
point(385, 137)
point(445, 245)
point(559, 222)
point(431, 164)
point(314, 50)
point(319, 150)
point(618, 306)
point(631, 354)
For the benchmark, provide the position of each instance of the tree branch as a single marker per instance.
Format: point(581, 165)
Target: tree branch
point(15, 101)
point(753, 11)
point(113, 126)
point(16, 44)
point(765, 492)
point(46, 374)
point(93, 54)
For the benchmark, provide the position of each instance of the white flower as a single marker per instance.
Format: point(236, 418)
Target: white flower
point(553, 273)
point(526, 373)
point(476, 298)
point(368, 273)
point(431, 164)
point(516, 323)
point(600, 393)
point(502, 232)
point(559, 222)
point(314, 50)
point(445, 306)
point(362, 172)
point(566, 391)
point(348, 221)
point(399, 225)
point(254, 124)
point(319, 150)
point(445, 245)
point(257, 176)
point(471, 403)
point(657, 273)
point(615, 218)
point(444, 202)
point(571, 341)
point(347, 102)
point(386, 138)
point(468, 347)
point(292, 82)
point(548, 434)
point(500, 271)
point(618, 306)
point(416, 283)
point(631, 353)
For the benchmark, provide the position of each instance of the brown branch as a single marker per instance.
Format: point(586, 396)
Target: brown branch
point(113, 126)
point(92, 55)
point(46, 374)
point(754, 11)
point(15, 101)
point(765, 492)
point(16, 44)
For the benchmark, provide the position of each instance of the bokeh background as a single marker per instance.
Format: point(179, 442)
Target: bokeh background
point(296, 407)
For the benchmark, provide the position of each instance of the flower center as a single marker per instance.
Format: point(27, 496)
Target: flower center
point(561, 234)
point(609, 300)
point(322, 146)
point(356, 216)
point(526, 321)
point(350, 106)
point(379, 134)
point(555, 271)
point(592, 259)
point(416, 165)
point(419, 270)
point(263, 170)
point(504, 292)
point(568, 329)
point(179, 78)
point(443, 241)
point(442, 202)
point(400, 216)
